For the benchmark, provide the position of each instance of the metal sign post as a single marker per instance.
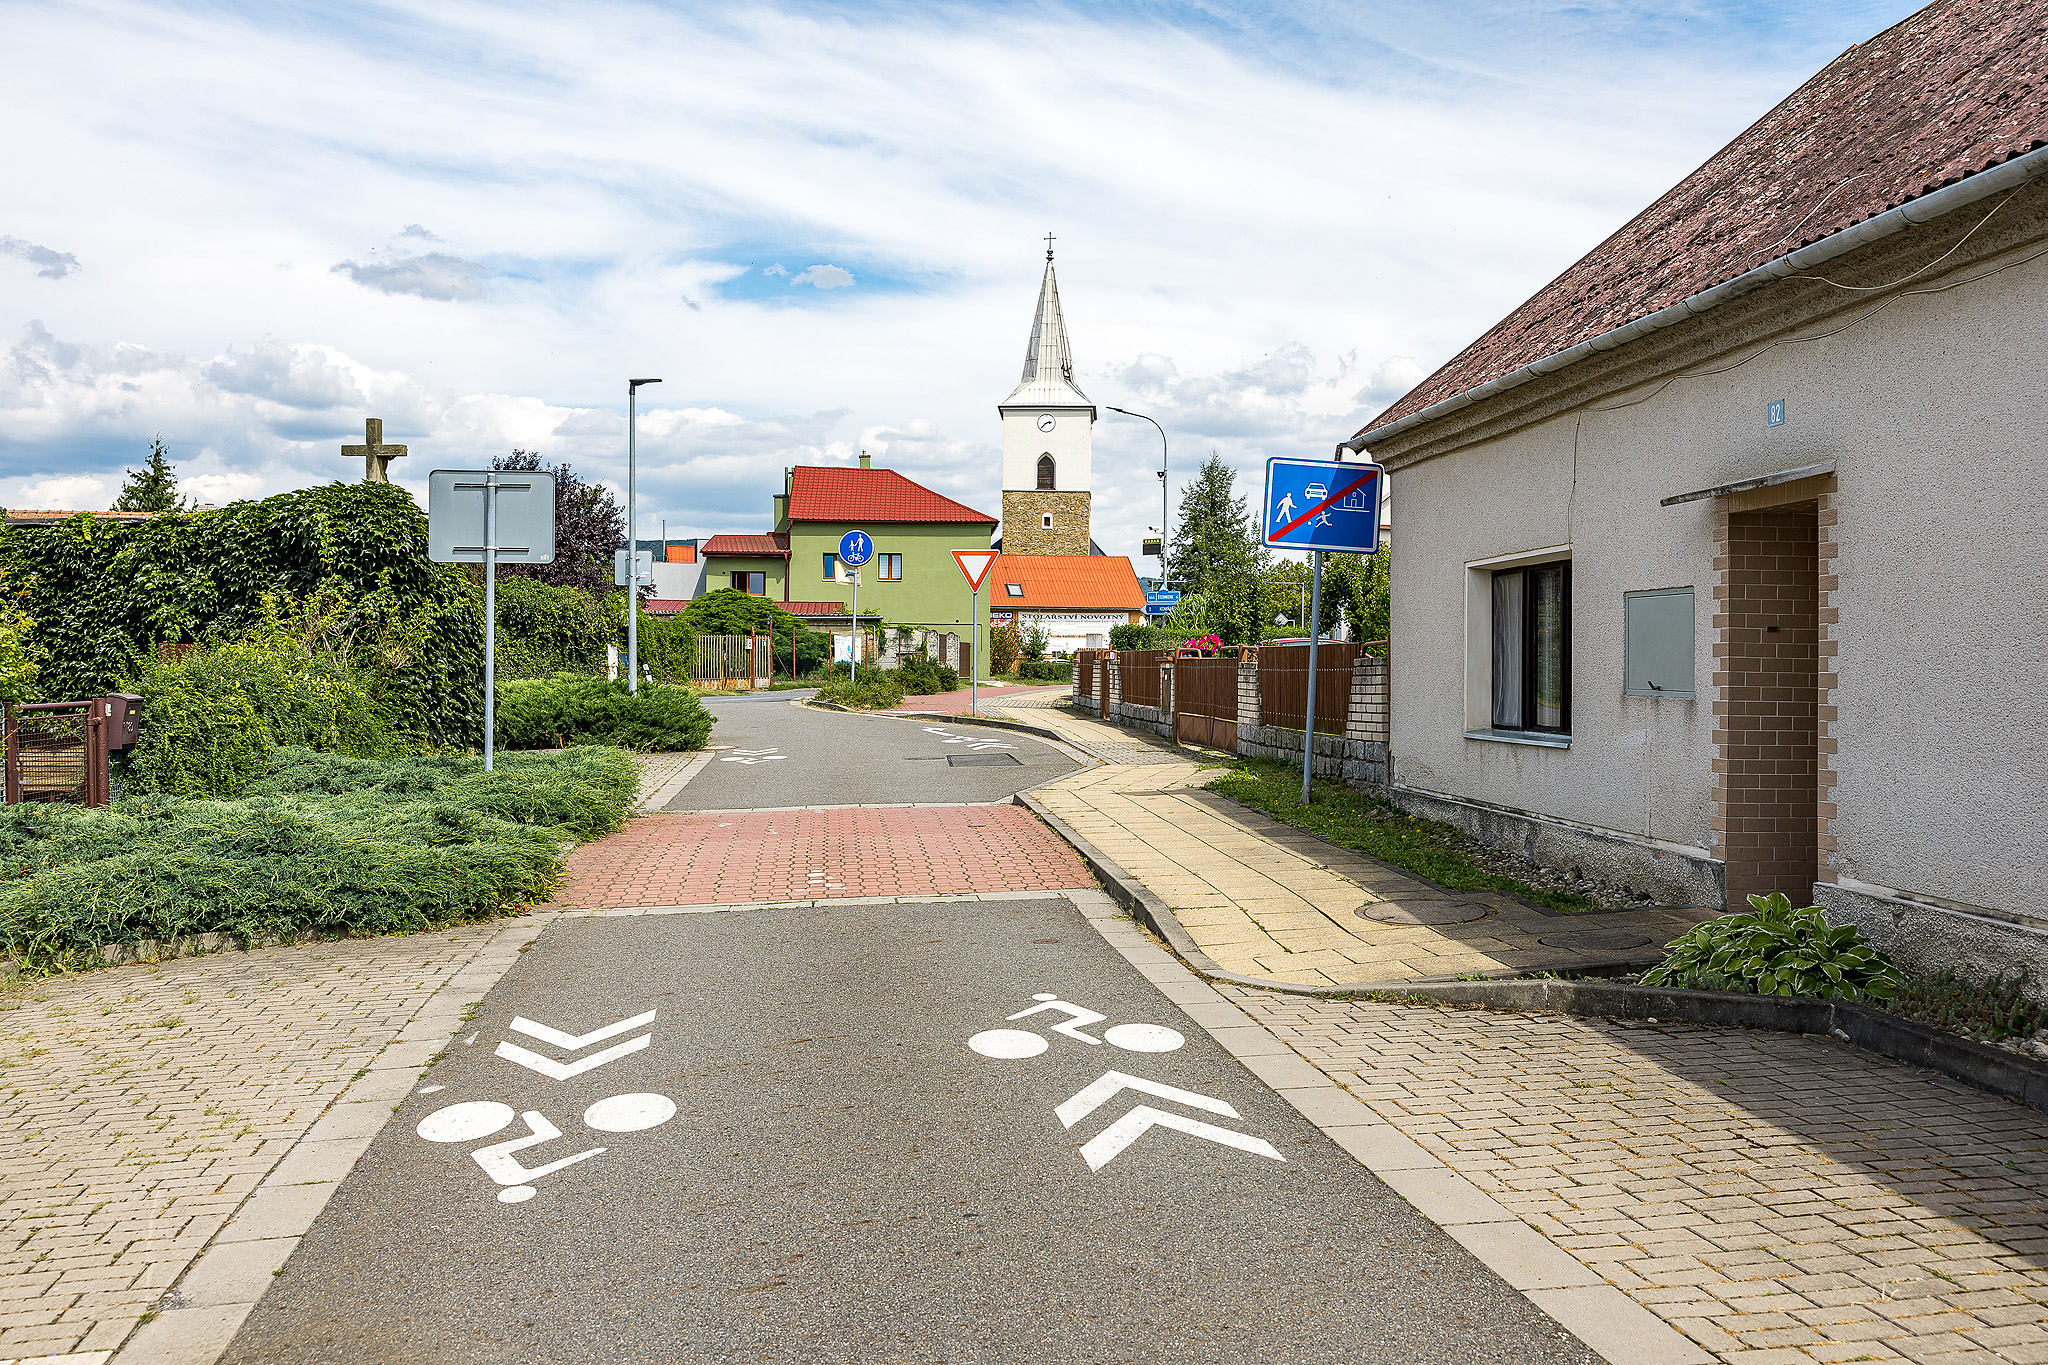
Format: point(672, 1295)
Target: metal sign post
point(855, 549)
point(519, 508)
point(1318, 506)
point(974, 565)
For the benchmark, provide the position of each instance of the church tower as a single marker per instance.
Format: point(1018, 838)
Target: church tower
point(1048, 441)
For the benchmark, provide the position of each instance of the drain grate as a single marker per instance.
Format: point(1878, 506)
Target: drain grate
point(980, 760)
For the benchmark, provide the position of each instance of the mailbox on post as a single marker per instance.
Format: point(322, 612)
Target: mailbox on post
point(122, 712)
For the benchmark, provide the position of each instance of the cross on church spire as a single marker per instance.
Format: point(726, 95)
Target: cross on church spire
point(375, 455)
point(1048, 246)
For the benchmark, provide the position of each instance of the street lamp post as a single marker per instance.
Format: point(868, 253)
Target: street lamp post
point(1164, 521)
point(633, 535)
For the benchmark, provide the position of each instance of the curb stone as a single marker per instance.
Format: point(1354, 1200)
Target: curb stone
point(2007, 1075)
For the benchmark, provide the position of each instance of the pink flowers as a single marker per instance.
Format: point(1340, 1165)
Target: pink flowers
point(1202, 644)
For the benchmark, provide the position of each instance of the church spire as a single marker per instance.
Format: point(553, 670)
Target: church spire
point(1048, 378)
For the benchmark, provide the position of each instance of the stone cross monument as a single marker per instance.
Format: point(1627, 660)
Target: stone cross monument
point(375, 455)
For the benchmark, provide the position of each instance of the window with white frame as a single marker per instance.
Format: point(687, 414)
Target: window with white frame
point(1530, 635)
point(889, 568)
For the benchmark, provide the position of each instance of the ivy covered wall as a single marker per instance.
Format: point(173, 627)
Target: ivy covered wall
point(347, 563)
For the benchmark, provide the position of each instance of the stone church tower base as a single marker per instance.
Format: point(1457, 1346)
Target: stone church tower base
point(1024, 528)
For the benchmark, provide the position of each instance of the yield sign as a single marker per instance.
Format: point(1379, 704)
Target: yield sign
point(975, 564)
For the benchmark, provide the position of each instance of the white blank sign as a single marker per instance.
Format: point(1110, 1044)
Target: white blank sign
point(526, 516)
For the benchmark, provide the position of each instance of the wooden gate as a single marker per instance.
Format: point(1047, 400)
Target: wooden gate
point(1205, 702)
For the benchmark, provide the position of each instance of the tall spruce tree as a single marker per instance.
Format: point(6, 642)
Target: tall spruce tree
point(1216, 553)
point(154, 487)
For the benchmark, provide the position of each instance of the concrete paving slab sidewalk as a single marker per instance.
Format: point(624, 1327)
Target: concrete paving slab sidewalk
point(1266, 900)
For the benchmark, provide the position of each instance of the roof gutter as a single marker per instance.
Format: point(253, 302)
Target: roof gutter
point(2007, 175)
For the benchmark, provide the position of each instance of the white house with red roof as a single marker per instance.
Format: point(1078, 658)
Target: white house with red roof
point(1718, 568)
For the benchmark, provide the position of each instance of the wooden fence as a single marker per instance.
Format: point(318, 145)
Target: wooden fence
point(1084, 662)
point(1137, 672)
point(1283, 685)
point(1205, 702)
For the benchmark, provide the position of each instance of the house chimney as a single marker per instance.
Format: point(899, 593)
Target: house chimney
point(866, 460)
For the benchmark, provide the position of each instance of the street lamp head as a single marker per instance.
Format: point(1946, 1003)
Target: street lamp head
point(636, 383)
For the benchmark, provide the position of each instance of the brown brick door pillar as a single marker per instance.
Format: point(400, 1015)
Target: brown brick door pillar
point(1765, 735)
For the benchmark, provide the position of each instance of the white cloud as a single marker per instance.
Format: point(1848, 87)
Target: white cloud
point(79, 491)
point(435, 275)
point(51, 265)
point(824, 277)
point(1239, 218)
point(1396, 375)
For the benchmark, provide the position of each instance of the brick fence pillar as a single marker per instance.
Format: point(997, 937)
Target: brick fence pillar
point(1248, 716)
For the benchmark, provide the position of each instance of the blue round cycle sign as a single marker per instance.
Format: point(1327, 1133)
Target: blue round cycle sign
point(855, 549)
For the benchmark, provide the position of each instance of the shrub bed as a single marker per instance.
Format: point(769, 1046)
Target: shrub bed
point(318, 843)
point(875, 691)
point(552, 712)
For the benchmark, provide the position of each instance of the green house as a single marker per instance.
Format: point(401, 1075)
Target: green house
point(912, 588)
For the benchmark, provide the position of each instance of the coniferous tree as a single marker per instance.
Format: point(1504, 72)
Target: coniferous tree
point(154, 487)
point(1216, 553)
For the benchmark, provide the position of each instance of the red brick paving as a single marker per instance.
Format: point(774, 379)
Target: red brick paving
point(955, 703)
point(804, 855)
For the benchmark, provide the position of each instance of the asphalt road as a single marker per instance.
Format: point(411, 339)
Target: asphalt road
point(776, 754)
point(844, 1178)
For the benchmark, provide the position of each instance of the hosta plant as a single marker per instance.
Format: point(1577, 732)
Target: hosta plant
point(1777, 950)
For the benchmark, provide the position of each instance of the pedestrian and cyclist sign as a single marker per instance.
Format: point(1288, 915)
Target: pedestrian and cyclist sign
point(1323, 505)
point(855, 549)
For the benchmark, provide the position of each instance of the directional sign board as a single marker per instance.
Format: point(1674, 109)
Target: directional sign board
point(1323, 505)
point(1161, 603)
point(855, 549)
point(526, 515)
point(975, 564)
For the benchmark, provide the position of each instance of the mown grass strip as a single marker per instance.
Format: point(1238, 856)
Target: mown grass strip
point(1431, 850)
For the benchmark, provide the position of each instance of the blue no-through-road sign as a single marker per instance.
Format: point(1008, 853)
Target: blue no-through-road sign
point(855, 549)
point(1323, 505)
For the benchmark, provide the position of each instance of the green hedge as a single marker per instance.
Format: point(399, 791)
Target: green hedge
point(347, 562)
point(1045, 670)
point(320, 843)
point(210, 720)
point(549, 713)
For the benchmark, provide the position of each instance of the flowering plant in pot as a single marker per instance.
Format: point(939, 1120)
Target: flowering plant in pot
point(1202, 645)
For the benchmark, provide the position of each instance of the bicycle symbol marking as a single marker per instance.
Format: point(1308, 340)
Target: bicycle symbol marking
point(1014, 1044)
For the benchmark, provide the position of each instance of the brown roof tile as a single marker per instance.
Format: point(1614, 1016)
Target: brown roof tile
point(1955, 89)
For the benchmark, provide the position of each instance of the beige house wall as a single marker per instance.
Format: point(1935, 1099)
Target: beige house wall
point(1933, 713)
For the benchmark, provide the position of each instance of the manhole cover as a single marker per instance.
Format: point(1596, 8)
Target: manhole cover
point(1596, 940)
point(1423, 912)
point(980, 760)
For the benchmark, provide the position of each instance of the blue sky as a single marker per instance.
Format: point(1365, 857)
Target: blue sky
point(248, 227)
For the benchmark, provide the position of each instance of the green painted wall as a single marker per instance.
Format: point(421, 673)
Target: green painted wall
point(718, 571)
point(932, 593)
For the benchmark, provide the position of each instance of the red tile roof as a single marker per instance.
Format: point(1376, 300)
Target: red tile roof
point(835, 493)
point(1065, 583)
point(1955, 89)
point(814, 608)
point(37, 516)
point(775, 544)
point(664, 606)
